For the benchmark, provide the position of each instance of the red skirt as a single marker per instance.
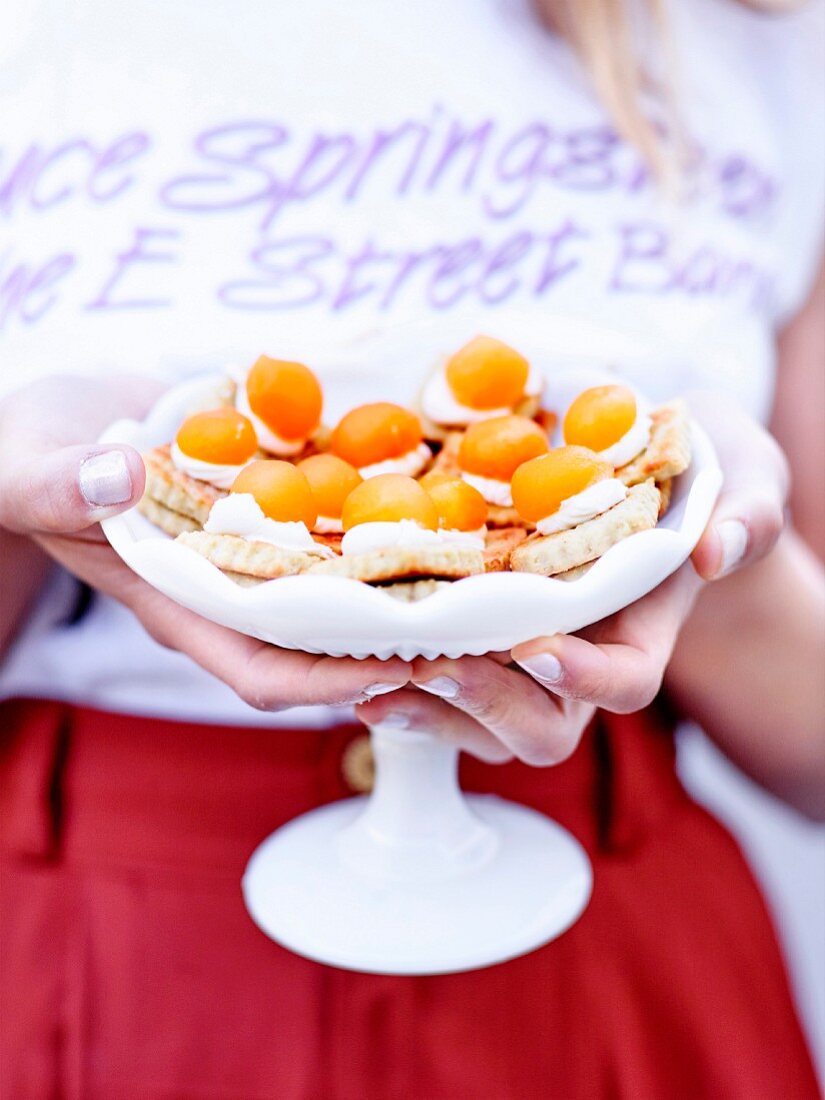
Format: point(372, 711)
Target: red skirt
point(130, 969)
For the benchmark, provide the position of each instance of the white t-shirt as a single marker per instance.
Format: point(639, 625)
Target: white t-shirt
point(184, 186)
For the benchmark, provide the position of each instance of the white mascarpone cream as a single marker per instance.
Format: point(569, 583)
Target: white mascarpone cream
point(472, 540)
point(439, 403)
point(269, 440)
point(406, 534)
point(240, 514)
point(328, 525)
point(587, 504)
point(222, 477)
point(493, 490)
point(633, 442)
point(411, 463)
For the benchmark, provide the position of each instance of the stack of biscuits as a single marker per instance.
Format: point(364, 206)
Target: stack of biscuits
point(283, 428)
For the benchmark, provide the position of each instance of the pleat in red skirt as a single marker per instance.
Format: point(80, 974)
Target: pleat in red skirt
point(130, 969)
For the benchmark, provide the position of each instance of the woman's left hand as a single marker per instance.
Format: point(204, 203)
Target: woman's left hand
point(535, 703)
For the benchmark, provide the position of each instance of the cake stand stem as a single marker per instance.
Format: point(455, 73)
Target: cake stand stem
point(416, 824)
point(417, 878)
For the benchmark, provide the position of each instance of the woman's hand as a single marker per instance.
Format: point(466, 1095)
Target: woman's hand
point(535, 703)
point(55, 487)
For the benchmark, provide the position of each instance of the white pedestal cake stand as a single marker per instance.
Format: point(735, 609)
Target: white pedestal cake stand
point(417, 878)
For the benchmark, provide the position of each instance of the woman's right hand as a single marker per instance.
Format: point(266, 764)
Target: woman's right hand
point(55, 487)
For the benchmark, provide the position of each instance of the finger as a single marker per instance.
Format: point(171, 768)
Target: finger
point(277, 678)
point(654, 621)
point(264, 676)
point(749, 515)
point(535, 727)
point(618, 663)
point(744, 528)
point(613, 676)
point(66, 409)
point(68, 490)
point(417, 711)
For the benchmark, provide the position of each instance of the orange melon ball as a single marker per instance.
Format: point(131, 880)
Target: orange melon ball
point(221, 436)
point(541, 485)
point(373, 433)
point(281, 490)
point(388, 498)
point(599, 417)
point(331, 480)
point(435, 477)
point(460, 506)
point(487, 374)
point(496, 448)
point(286, 396)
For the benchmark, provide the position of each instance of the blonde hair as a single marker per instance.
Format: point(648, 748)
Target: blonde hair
point(603, 35)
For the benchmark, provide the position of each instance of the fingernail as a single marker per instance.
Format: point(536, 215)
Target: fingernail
point(104, 479)
point(733, 535)
point(395, 720)
point(380, 689)
point(544, 667)
point(442, 686)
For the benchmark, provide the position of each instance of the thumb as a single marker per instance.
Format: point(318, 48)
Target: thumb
point(67, 490)
point(744, 528)
point(749, 515)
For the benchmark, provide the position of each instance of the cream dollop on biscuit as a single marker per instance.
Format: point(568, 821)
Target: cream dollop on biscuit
point(240, 514)
point(221, 476)
point(583, 506)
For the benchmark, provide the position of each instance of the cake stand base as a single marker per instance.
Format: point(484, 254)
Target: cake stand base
point(525, 881)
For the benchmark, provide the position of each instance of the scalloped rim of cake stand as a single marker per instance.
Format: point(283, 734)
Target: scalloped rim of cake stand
point(477, 615)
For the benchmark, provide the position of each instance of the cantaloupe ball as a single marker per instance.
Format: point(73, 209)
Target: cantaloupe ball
point(496, 448)
point(541, 485)
point(331, 480)
point(487, 374)
point(375, 432)
point(435, 476)
point(281, 490)
point(286, 396)
point(221, 436)
point(460, 506)
point(388, 498)
point(599, 417)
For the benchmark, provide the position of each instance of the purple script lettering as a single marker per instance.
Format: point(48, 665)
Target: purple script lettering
point(641, 265)
point(385, 141)
point(508, 255)
point(30, 291)
point(588, 159)
point(322, 165)
point(53, 162)
point(47, 177)
point(240, 147)
point(124, 151)
point(18, 182)
point(290, 279)
point(521, 162)
point(453, 263)
point(350, 290)
point(458, 138)
point(555, 265)
point(139, 252)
